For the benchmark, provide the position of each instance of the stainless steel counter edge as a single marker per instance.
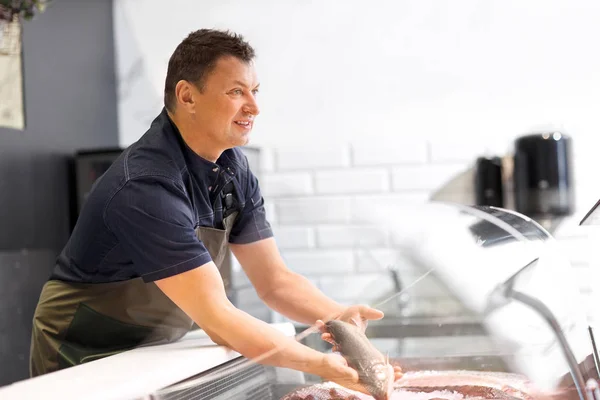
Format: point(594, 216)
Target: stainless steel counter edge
point(130, 375)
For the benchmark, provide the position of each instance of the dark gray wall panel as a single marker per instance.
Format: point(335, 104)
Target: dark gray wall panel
point(70, 95)
point(22, 275)
point(71, 103)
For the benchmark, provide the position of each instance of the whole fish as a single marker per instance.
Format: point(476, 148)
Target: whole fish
point(374, 371)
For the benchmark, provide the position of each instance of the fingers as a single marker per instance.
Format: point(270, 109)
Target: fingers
point(342, 370)
point(326, 336)
point(329, 339)
point(348, 375)
point(351, 381)
point(339, 372)
point(358, 321)
point(320, 325)
point(367, 312)
point(398, 374)
point(359, 314)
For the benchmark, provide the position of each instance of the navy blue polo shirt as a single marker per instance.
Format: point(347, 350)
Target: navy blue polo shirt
point(140, 217)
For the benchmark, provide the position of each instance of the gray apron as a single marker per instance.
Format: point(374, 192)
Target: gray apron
point(76, 323)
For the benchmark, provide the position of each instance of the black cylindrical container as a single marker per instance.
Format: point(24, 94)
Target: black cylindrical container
point(488, 182)
point(543, 175)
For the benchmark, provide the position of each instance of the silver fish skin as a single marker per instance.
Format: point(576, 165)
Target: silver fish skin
point(374, 372)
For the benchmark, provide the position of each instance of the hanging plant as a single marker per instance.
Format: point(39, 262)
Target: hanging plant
point(21, 9)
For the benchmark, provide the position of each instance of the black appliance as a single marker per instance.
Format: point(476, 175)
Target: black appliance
point(86, 166)
point(488, 182)
point(543, 175)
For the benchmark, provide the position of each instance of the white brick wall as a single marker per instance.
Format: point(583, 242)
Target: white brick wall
point(351, 236)
point(266, 161)
point(286, 184)
point(352, 180)
point(320, 200)
point(374, 154)
point(363, 206)
point(270, 211)
point(427, 177)
point(320, 262)
point(364, 288)
point(313, 210)
point(315, 157)
point(294, 237)
point(457, 150)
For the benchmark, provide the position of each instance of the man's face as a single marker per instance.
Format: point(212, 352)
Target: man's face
point(226, 107)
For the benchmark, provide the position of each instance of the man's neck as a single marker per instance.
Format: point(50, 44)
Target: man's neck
point(194, 139)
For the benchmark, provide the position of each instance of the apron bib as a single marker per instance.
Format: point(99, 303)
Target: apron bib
point(76, 323)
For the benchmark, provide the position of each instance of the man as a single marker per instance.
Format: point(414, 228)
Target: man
point(142, 264)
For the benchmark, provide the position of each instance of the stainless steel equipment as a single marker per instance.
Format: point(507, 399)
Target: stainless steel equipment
point(229, 381)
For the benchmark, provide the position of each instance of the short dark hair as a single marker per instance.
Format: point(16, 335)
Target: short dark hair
point(196, 56)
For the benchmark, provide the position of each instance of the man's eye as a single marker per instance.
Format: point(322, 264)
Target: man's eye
point(255, 92)
point(238, 92)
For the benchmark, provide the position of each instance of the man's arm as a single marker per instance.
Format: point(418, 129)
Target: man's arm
point(201, 295)
point(285, 291)
point(295, 296)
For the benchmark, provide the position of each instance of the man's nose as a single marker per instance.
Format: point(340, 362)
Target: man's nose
point(251, 106)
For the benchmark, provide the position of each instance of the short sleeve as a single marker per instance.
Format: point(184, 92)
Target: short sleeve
point(251, 225)
point(153, 221)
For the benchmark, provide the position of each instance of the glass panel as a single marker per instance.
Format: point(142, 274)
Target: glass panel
point(470, 295)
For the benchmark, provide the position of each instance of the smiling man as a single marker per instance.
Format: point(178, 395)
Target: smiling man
point(143, 261)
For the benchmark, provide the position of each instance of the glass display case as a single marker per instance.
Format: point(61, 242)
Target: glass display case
point(509, 323)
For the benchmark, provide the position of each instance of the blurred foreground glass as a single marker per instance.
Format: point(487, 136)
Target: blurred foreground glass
point(508, 284)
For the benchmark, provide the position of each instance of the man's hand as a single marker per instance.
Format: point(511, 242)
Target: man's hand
point(358, 315)
point(334, 368)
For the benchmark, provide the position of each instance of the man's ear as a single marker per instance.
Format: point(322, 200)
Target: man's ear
point(184, 95)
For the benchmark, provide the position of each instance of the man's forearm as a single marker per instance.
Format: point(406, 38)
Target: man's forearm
point(260, 342)
point(298, 299)
point(201, 295)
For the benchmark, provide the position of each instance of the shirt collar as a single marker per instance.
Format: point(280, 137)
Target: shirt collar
point(197, 162)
